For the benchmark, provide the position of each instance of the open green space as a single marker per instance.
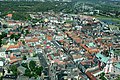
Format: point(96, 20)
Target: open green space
point(108, 18)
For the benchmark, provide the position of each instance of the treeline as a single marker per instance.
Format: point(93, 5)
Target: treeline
point(34, 6)
point(106, 8)
point(21, 16)
point(20, 9)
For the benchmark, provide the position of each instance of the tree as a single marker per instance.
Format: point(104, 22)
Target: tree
point(24, 57)
point(0, 36)
point(21, 16)
point(23, 42)
point(5, 26)
point(20, 27)
point(24, 65)
point(0, 42)
point(8, 70)
point(17, 37)
point(22, 31)
point(13, 68)
point(28, 73)
point(12, 36)
point(32, 70)
point(4, 41)
point(32, 65)
point(38, 70)
point(0, 24)
point(4, 34)
point(34, 75)
point(27, 32)
point(102, 76)
point(118, 78)
point(69, 21)
point(1, 78)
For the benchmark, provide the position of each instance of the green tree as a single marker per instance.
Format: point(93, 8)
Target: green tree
point(1, 78)
point(0, 42)
point(3, 41)
point(28, 73)
point(23, 42)
point(14, 69)
point(21, 16)
point(4, 34)
point(33, 70)
point(24, 65)
point(102, 76)
point(12, 36)
point(5, 26)
point(24, 57)
point(22, 31)
point(69, 21)
point(0, 24)
point(8, 70)
point(20, 27)
point(32, 65)
point(0, 36)
point(17, 36)
point(27, 32)
point(38, 70)
point(118, 78)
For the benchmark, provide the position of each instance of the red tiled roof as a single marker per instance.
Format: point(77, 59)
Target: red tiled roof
point(90, 75)
point(93, 50)
point(61, 41)
point(88, 55)
point(13, 47)
point(9, 15)
point(38, 46)
point(32, 40)
point(56, 60)
point(20, 43)
point(85, 47)
point(30, 50)
point(99, 39)
point(12, 56)
point(78, 40)
point(75, 38)
point(11, 33)
point(15, 60)
point(90, 50)
point(49, 38)
point(50, 57)
point(59, 62)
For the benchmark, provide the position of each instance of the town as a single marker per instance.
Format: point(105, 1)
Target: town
point(58, 46)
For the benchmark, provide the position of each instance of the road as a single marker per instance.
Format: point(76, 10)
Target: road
point(42, 60)
point(56, 44)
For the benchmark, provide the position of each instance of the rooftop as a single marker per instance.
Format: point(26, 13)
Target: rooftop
point(117, 65)
point(102, 57)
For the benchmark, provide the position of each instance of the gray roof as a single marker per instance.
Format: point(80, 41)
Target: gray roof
point(22, 78)
point(21, 69)
point(117, 65)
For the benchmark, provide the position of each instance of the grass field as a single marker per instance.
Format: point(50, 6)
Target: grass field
point(108, 18)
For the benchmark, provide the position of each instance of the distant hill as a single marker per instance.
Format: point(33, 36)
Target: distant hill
point(95, 0)
point(114, 0)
